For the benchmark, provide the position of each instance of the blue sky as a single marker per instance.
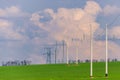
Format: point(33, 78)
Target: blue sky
point(31, 5)
point(27, 25)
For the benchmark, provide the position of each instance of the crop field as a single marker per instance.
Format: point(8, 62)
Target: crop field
point(60, 72)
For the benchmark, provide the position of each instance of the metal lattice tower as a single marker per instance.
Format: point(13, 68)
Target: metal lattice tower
point(48, 54)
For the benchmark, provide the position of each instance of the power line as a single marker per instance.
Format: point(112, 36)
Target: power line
point(114, 20)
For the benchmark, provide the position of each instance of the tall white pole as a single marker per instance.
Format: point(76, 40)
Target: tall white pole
point(63, 51)
point(91, 51)
point(76, 53)
point(106, 65)
point(67, 53)
point(76, 49)
point(56, 53)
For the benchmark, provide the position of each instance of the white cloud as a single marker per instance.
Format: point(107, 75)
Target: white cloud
point(92, 8)
point(69, 23)
point(5, 23)
point(98, 50)
point(66, 24)
point(37, 59)
point(12, 11)
point(7, 31)
point(114, 50)
point(110, 10)
point(115, 32)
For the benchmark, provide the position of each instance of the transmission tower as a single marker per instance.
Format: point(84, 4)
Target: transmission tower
point(48, 54)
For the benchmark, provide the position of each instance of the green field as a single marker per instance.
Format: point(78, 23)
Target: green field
point(60, 72)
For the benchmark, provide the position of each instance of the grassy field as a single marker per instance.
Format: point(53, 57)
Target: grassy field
point(60, 72)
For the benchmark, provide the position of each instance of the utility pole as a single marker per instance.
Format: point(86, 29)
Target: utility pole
point(67, 58)
point(77, 48)
point(63, 50)
point(56, 52)
point(106, 65)
point(76, 40)
point(91, 51)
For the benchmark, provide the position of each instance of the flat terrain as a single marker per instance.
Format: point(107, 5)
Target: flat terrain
point(60, 72)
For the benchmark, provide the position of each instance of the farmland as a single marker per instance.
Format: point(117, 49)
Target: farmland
point(60, 72)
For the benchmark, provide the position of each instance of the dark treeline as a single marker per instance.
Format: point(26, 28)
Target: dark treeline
point(94, 60)
point(16, 63)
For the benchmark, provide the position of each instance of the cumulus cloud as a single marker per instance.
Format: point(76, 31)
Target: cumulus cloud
point(114, 50)
point(37, 59)
point(92, 8)
point(114, 32)
point(68, 23)
point(12, 11)
point(63, 24)
point(98, 50)
point(110, 10)
point(7, 31)
point(7, 24)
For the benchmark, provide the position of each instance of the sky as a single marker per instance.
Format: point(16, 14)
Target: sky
point(27, 27)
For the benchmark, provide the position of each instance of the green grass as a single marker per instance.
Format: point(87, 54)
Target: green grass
point(60, 72)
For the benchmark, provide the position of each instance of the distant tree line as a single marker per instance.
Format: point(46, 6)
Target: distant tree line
point(94, 60)
point(16, 63)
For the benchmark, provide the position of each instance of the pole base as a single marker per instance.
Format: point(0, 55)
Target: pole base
point(91, 77)
point(106, 75)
